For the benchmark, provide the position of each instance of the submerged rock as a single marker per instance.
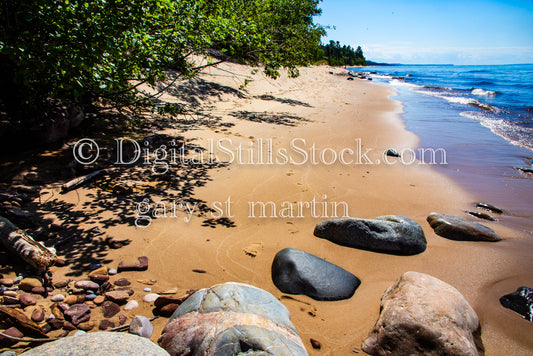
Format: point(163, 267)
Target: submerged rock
point(392, 234)
point(99, 343)
point(520, 301)
point(456, 228)
point(231, 319)
point(480, 215)
point(489, 207)
point(298, 272)
point(422, 315)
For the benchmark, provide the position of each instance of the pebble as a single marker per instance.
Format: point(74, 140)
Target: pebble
point(168, 310)
point(106, 324)
point(57, 298)
point(94, 266)
point(131, 305)
point(28, 283)
point(101, 270)
point(38, 315)
point(11, 300)
point(78, 313)
point(122, 282)
point(74, 299)
point(7, 282)
point(147, 290)
point(87, 326)
point(61, 284)
point(99, 300)
point(140, 325)
point(90, 296)
point(26, 300)
point(110, 309)
point(112, 271)
point(122, 319)
point(39, 290)
point(142, 265)
point(85, 285)
point(151, 297)
point(99, 278)
point(316, 344)
point(11, 293)
point(117, 296)
point(68, 326)
point(79, 333)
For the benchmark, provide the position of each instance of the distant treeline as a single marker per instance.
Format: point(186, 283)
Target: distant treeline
point(335, 55)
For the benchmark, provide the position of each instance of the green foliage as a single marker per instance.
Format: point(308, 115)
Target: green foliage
point(335, 55)
point(96, 52)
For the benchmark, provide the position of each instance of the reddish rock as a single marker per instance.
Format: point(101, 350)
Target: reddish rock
point(60, 262)
point(141, 266)
point(87, 326)
point(56, 323)
point(26, 300)
point(11, 293)
point(117, 296)
point(106, 324)
point(68, 326)
point(316, 344)
point(168, 310)
point(78, 313)
point(122, 319)
point(99, 300)
point(39, 290)
point(99, 278)
point(46, 328)
point(122, 282)
point(110, 309)
point(86, 285)
point(38, 315)
point(74, 299)
point(12, 331)
point(105, 287)
point(6, 282)
point(165, 299)
point(11, 300)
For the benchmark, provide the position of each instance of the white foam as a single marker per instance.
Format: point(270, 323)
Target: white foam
point(460, 100)
point(482, 92)
point(401, 83)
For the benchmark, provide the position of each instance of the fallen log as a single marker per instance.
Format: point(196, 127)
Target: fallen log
point(23, 245)
point(76, 182)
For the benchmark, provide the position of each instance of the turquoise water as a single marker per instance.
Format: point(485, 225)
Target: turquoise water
point(483, 117)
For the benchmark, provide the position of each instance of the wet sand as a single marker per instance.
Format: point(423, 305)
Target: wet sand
point(333, 113)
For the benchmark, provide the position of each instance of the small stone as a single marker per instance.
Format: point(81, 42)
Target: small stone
point(68, 326)
point(456, 228)
point(316, 344)
point(27, 284)
point(117, 296)
point(147, 290)
point(60, 262)
point(122, 282)
point(101, 270)
point(99, 278)
point(38, 315)
point(11, 293)
point(151, 297)
point(57, 298)
point(110, 309)
point(140, 325)
point(99, 300)
point(26, 300)
point(12, 331)
point(61, 284)
point(78, 313)
point(164, 300)
point(56, 323)
point(85, 285)
point(87, 326)
point(39, 290)
point(79, 333)
point(106, 324)
point(168, 310)
point(90, 297)
point(46, 328)
point(62, 307)
point(132, 304)
point(74, 299)
point(10, 300)
point(77, 291)
point(6, 282)
point(18, 279)
point(122, 319)
point(94, 266)
point(105, 287)
point(142, 265)
point(112, 271)
point(392, 152)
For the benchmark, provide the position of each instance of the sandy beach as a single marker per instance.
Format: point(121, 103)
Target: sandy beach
point(323, 110)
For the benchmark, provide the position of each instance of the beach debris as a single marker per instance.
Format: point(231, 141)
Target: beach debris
point(110, 309)
point(392, 152)
point(239, 316)
point(76, 182)
point(489, 207)
point(391, 234)
point(20, 321)
point(149, 282)
point(456, 228)
point(140, 325)
point(315, 343)
point(253, 249)
point(480, 215)
point(520, 301)
point(141, 266)
point(298, 272)
point(525, 170)
point(196, 270)
point(420, 315)
point(99, 343)
point(24, 246)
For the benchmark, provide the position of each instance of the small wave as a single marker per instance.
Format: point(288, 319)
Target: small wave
point(461, 100)
point(482, 92)
point(401, 83)
point(436, 88)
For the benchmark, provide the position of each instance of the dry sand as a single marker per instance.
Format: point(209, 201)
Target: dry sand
point(330, 112)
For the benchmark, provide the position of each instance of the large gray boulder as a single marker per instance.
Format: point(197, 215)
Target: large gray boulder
point(422, 315)
point(391, 234)
point(229, 319)
point(298, 272)
point(456, 228)
point(99, 343)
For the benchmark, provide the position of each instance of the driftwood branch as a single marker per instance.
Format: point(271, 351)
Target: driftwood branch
point(25, 339)
point(74, 183)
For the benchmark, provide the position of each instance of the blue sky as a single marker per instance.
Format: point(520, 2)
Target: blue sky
point(433, 32)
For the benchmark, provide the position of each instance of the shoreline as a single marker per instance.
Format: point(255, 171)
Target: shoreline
point(228, 245)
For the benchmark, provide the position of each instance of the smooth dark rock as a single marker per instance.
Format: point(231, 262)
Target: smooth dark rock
point(110, 309)
point(489, 207)
point(12, 331)
point(456, 228)
point(298, 272)
point(122, 282)
point(68, 326)
point(392, 152)
point(520, 301)
point(99, 278)
point(316, 344)
point(391, 234)
point(168, 310)
point(480, 215)
point(106, 324)
point(38, 315)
